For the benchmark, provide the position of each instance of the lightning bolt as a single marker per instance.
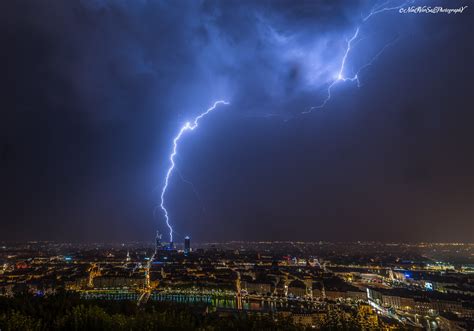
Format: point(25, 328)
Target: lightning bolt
point(341, 77)
point(383, 8)
point(188, 126)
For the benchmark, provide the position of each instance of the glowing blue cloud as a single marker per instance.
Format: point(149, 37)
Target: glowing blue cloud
point(341, 76)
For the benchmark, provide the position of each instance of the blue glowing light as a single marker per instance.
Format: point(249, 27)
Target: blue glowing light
point(340, 76)
point(188, 126)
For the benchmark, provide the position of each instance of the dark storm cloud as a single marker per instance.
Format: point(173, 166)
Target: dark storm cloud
point(110, 59)
point(113, 57)
point(93, 90)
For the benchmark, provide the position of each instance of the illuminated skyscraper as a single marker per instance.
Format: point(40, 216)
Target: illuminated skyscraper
point(158, 244)
point(187, 245)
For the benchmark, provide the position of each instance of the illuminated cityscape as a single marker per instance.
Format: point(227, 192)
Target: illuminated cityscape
point(307, 284)
point(236, 165)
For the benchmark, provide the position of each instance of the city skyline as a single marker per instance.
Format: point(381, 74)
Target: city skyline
point(285, 285)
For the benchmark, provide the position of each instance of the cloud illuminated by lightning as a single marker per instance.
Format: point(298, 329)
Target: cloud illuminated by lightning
point(188, 126)
point(341, 77)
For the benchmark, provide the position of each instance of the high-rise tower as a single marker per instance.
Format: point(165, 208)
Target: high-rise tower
point(158, 244)
point(187, 245)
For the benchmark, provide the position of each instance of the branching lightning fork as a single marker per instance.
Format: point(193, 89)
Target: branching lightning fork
point(340, 77)
point(188, 126)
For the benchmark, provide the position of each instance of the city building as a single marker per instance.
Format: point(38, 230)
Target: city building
point(158, 244)
point(187, 245)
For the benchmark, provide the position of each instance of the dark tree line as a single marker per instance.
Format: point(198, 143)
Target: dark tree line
point(66, 311)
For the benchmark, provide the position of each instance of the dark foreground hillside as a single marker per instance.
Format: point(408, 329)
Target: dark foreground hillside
point(66, 311)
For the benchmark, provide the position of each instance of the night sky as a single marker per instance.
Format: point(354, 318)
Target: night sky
point(92, 93)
